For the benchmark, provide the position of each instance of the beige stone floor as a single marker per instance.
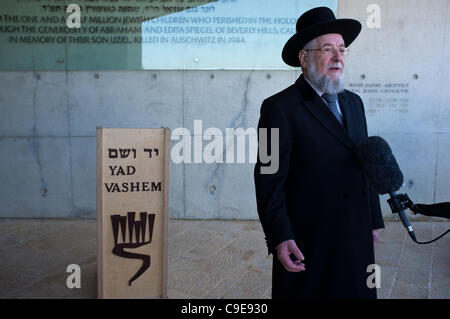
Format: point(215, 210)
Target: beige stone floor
point(207, 259)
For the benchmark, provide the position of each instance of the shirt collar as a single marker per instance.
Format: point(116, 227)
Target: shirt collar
point(320, 93)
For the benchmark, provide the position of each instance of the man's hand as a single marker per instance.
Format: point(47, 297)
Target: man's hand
point(284, 250)
point(375, 236)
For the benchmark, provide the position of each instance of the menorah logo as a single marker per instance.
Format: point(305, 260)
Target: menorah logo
point(134, 227)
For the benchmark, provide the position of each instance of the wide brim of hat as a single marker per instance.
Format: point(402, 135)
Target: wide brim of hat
point(348, 28)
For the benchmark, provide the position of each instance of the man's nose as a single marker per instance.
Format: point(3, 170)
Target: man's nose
point(337, 55)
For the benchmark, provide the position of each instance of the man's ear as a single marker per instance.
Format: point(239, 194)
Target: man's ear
point(303, 57)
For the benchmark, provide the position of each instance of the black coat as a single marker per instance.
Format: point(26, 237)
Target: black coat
point(319, 197)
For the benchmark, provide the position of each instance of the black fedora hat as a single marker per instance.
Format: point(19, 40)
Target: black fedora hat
point(316, 22)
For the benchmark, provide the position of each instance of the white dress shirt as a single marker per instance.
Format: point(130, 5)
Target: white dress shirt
point(320, 93)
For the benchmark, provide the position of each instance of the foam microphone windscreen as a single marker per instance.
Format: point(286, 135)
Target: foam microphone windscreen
point(377, 160)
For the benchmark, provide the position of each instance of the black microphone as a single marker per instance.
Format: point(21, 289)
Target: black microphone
point(380, 166)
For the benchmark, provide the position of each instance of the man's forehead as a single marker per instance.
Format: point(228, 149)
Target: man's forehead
point(330, 38)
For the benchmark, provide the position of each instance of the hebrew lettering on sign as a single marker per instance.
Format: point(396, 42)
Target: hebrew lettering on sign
point(124, 153)
point(132, 206)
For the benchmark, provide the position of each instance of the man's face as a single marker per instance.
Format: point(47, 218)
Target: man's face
point(329, 64)
point(325, 70)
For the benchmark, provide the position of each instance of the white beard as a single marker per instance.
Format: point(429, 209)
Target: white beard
point(324, 83)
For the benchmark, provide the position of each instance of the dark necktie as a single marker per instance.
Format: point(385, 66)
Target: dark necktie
point(331, 100)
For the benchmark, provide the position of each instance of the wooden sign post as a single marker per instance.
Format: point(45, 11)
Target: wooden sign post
point(132, 212)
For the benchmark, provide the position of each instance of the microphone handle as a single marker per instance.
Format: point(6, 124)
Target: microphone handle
point(403, 218)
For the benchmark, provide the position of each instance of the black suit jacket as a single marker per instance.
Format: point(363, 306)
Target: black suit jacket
point(319, 196)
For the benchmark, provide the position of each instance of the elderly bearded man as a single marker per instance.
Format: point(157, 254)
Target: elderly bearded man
point(318, 211)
